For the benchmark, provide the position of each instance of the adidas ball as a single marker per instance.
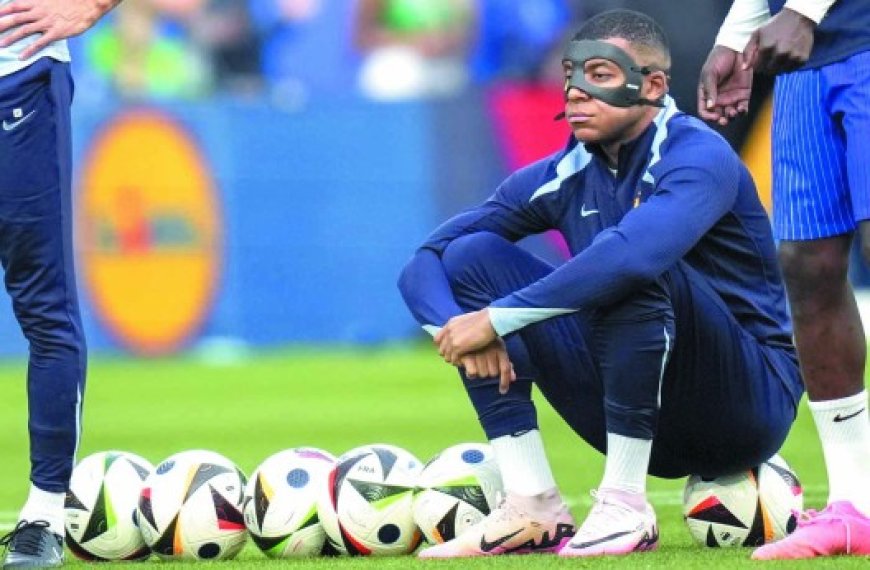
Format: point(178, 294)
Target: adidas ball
point(747, 509)
point(281, 502)
point(367, 507)
point(191, 507)
point(99, 507)
point(456, 490)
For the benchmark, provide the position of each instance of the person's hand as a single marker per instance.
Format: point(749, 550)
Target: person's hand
point(724, 87)
point(490, 361)
point(783, 44)
point(463, 334)
point(53, 19)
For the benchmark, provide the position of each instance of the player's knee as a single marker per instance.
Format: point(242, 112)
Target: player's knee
point(53, 338)
point(813, 266)
point(469, 252)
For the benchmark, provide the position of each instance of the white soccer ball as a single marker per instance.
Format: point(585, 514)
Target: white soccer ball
point(367, 507)
point(281, 502)
point(191, 507)
point(99, 507)
point(456, 490)
point(747, 509)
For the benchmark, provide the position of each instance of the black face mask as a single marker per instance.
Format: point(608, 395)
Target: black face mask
point(578, 52)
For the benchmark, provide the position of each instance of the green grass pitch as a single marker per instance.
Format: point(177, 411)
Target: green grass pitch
point(338, 399)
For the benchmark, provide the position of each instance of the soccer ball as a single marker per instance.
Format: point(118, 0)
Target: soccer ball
point(747, 509)
point(281, 502)
point(456, 490)
point(100, 504)
point(366, 509)
point(191, 507)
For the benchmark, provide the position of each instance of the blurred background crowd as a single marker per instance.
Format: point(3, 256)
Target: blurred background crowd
point(291, 50)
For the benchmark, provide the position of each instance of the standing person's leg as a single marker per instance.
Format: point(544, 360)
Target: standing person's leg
point(37, 256)
point(481, 268)
point(820, 190)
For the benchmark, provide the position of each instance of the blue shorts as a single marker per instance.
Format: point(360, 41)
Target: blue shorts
point(821, 150)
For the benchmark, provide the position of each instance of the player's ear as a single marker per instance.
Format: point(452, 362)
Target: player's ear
point(656, 85)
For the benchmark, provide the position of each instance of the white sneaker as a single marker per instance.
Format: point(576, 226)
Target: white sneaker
point(511, 529)
point(614, 527)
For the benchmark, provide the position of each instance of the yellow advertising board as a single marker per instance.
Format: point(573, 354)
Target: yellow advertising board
point(149, 232)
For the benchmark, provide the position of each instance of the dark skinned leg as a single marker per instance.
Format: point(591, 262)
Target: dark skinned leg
point(828, 332)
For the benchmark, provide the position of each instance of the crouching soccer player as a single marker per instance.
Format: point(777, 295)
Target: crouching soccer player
point(664, 341)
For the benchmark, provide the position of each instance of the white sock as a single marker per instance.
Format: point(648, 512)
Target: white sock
point(626, 464)
point(523, 463)
point(844, 428)
point(44, 506)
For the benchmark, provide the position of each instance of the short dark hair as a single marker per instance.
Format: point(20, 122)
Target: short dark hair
point(638, 29)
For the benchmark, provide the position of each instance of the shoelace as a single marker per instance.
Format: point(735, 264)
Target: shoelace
point(504, 510)
point(20, 540)
point(812, 517)
point(604, 514)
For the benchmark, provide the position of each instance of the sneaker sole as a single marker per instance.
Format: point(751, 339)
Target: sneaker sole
point(569, 552)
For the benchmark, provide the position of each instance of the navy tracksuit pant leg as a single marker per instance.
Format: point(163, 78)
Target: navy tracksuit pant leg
point(37, 256)
point(669, 362)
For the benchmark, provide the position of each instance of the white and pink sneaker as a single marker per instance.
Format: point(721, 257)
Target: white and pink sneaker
point(613, 528)
point(519, 525)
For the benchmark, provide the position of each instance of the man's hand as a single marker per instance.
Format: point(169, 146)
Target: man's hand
point(464, 334)
point(725, 86)
point(488, 362)
point(53, 19)
point(783, 44)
